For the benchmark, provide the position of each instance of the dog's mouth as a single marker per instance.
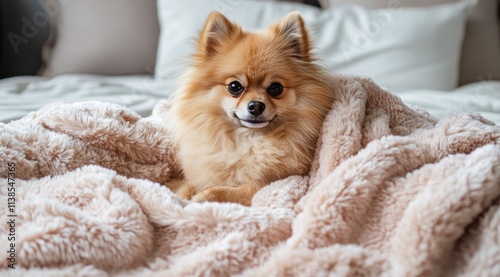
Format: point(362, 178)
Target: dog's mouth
point(254, 123)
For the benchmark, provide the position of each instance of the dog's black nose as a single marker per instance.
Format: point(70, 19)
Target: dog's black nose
point(256, 108)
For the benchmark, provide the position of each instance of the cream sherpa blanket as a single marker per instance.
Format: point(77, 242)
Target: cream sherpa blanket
point(392, 192)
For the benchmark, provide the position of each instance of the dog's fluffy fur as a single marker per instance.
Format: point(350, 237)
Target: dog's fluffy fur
point(226, 152)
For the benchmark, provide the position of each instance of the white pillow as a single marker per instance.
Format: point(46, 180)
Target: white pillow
point(405, 48)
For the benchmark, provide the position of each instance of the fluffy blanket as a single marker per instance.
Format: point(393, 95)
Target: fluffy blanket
point(392, 192)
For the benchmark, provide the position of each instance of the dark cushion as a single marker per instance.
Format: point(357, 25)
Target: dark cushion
point(24, 28)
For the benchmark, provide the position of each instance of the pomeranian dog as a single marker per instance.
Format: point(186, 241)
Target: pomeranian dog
point(249, 110)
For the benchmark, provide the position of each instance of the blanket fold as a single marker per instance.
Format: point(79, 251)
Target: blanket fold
point(391, 192)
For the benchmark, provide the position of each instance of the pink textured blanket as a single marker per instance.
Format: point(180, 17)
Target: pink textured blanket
point(392, 192)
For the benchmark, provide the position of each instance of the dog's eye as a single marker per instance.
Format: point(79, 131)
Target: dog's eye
point(235, 88)
point(275, 89)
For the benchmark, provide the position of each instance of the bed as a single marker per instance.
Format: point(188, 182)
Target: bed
point(405, 180)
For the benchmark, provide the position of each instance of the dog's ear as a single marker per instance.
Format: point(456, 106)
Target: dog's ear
point(295, 36)
point(217, 32)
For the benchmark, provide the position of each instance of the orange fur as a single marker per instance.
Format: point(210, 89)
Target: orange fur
point(221, 159)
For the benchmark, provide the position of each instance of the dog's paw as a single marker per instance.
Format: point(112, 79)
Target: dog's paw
point(186, 191)
point(208, 195)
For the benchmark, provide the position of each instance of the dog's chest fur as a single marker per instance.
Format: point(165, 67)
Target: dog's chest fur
point(245, 160)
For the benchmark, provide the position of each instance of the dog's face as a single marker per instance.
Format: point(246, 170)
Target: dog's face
point(256, 78)
point(257, 87)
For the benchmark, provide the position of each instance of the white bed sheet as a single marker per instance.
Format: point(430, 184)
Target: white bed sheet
point(20, 95)
point(481, 97)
